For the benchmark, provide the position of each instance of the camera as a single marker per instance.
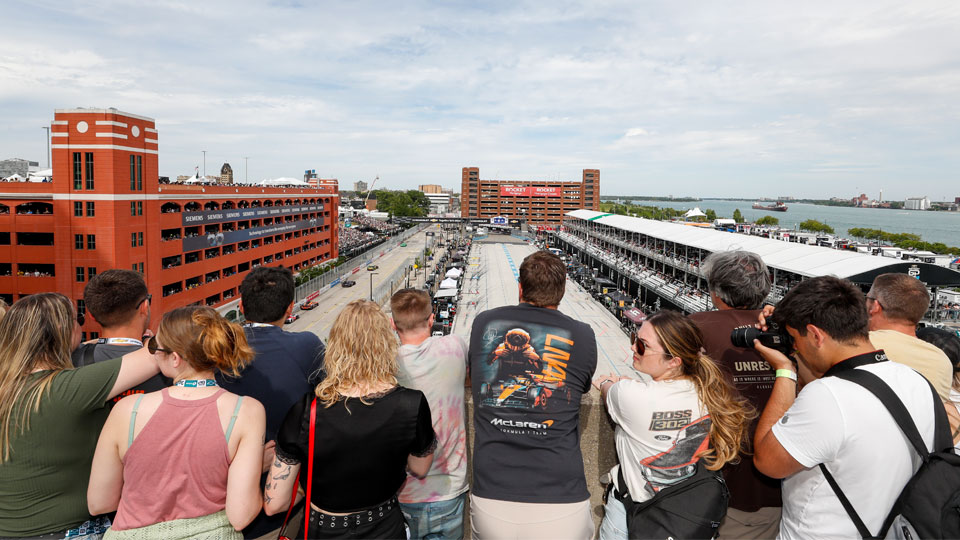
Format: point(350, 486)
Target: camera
point(775, 339)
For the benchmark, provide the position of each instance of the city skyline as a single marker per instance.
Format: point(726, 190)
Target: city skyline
point(675, 99)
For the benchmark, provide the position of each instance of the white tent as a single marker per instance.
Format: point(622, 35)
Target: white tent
point(454, 273)
point(193, 179)
point(13, 178)
point(445, 293)
point(448, 283)
point(694, 213)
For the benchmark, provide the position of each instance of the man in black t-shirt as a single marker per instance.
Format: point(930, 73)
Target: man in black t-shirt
point(529, 367)
point(118, 300)
point(739, 283)
point(286, 365)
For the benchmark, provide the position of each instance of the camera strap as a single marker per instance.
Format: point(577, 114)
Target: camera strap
point(853, 362)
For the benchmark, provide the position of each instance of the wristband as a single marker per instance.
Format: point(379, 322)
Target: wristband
point(788, 373)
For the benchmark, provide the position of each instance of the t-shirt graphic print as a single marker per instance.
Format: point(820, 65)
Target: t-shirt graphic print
point(529, 367)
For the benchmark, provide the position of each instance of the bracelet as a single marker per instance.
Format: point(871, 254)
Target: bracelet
point(787, 373)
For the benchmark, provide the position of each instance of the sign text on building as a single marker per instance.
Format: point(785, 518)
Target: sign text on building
point(530, 191)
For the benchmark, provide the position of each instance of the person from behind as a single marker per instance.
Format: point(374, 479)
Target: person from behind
point(949, 342)
point(739, 282)
point(50, 417)
point(119, 302)
point(3, 308)
point(437, 366)
point(835, 422)
point(366, 434)
point(529, 366)
point(896, 303)
point(688, 385)
point(183, 462)
point(285, 366)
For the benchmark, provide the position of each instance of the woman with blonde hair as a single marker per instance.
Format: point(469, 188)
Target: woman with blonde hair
point(50, 417)
point(683, 411)
point(183, 462)
point(367, 430)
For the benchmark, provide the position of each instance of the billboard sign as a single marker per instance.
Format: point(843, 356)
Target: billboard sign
point(194, 243)
point(498, 220)
point(530, 191)
point(219, 216)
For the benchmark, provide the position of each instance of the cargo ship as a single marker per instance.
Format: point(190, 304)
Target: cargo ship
point(778, 206)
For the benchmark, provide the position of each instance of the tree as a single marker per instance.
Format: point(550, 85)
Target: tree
point(768, 220)
point(813, 225)
point(737, 216)
point(711, 214)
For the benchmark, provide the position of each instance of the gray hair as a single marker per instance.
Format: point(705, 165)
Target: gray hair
point(739, 278)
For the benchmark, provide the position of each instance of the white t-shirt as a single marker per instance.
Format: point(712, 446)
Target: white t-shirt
point(844, 426)
point(661, 427)
point(438, 368)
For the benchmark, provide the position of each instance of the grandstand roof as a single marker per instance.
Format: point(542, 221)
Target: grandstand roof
point(802, 259)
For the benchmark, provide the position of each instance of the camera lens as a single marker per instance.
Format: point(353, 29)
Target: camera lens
point(744, 336)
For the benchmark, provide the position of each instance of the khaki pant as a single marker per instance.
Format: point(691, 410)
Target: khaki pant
point(498, 520)
point(764, 524)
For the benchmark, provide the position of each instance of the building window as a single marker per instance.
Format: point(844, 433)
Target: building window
point(94, 335)
point(139, 208)
point(77, 171)
point(77, 209)
point(91, 271)
point(78, 241)
point(140, 239)
point(79, 274)
point(133, 208)
point(89, 163)
point(139, 173)
point(133, 239)
point(81, 307)
point(90, 209)
point(91, 241)
point(133, 173)
point(141, 268)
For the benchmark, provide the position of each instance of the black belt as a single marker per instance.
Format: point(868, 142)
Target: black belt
point(354, 519)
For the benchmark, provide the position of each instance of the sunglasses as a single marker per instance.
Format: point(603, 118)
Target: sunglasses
point(81, 318)
point(638, 347)
point(153, 347)
point(148, 299)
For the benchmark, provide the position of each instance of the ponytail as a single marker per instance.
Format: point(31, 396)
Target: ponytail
point(206, 340)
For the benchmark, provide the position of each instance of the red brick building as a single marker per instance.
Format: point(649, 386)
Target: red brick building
point(537, 202)
point(106, 208)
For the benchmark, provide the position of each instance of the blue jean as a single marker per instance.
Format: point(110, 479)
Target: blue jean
point(435, 520)
point(614, 524)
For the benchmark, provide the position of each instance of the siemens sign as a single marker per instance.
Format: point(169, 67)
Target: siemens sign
point(195, 243)
point(219, 216)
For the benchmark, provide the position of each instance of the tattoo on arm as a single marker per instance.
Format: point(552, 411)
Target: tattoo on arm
point(267, 498)
point(284, 474)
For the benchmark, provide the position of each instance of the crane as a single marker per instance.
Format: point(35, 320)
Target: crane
point(369, 191)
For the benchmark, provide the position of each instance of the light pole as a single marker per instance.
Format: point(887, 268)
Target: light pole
point(48, 144)
point(204, 164)
point(371, 285)
point(246, 167)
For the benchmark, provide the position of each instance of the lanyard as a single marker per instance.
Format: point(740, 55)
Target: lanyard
point(857, 361)
point(119, 341)
point(196, 383)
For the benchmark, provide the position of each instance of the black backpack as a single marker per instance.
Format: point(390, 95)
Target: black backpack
point(691, 509)
point(929, 505)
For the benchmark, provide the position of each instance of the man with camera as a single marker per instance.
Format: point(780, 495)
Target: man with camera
point(835, 422)
point(739, 282)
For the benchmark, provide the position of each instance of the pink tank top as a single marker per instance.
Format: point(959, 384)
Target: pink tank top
point(177, 466)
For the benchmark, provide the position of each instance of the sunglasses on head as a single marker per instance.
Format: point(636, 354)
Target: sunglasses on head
point(153, 347)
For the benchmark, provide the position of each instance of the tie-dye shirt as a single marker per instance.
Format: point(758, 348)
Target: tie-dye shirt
point(437, 367)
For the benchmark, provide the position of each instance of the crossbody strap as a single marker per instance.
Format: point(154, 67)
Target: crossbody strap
point(306, 509)
point(293, 500)
point(133, 420)
point(845, 502)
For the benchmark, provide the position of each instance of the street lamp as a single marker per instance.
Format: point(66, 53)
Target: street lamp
point(371, 285)
point(47, 128)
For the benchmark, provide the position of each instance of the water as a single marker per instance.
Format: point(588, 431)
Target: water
point(931, 226)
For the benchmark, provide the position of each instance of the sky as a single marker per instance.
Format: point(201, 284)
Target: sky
point(750, 99)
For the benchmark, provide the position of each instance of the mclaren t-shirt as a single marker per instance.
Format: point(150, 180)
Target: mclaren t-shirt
point(529, 367)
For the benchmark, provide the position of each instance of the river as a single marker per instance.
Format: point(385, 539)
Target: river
point(931, 226)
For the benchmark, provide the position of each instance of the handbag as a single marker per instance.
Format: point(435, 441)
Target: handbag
point(296, 483)
point(691, 509)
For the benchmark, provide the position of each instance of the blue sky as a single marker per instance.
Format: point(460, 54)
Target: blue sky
point(748, 98)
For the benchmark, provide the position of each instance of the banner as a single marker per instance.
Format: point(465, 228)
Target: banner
point(195, 243)
point(234, 214)
point(530, 191)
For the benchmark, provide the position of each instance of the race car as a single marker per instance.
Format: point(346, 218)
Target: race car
point(348, 283)
point(527, 391)
point(308, 305)
point(292, 318)
point(372, 267)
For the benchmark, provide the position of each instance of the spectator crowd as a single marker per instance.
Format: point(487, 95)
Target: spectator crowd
point(207, 428)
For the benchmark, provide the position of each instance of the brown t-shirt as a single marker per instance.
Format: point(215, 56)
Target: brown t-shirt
point(753, 378)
